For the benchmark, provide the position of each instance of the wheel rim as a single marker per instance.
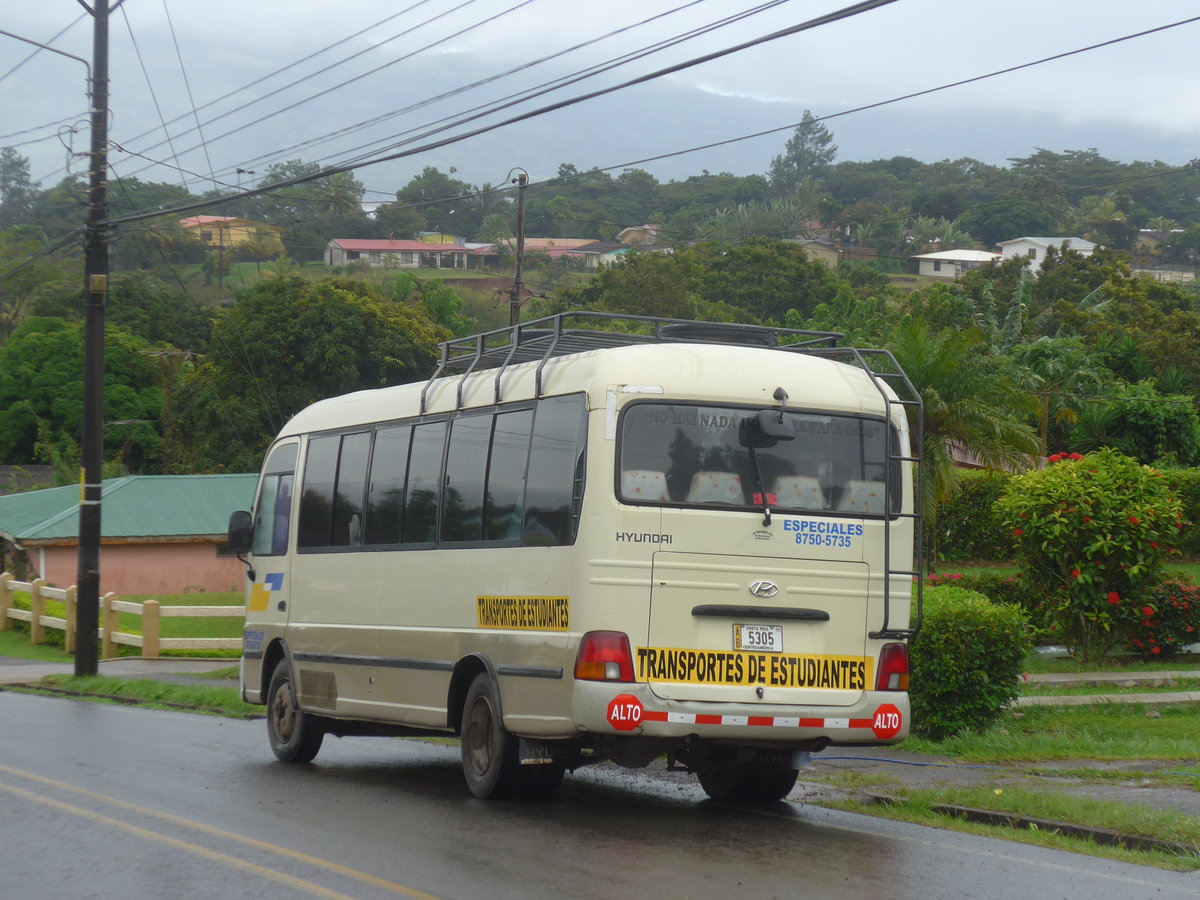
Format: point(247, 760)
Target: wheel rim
point(481, 738)
point(283, 715)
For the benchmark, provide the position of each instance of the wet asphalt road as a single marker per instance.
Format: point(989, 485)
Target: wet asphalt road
point(104, 801)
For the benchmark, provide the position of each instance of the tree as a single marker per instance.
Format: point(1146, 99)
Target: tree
point(442, 200)
point(33, 279)
point(264, 244)
point(972, 404)
point(644, 284)
point(767, 277)
point(398, 221)
point(778, 217)
point(996, 222)
point(1141, 423)
point(286, 343)
point(808, 154)
point(1102, 220)
point(41, 394)
point(17, 192)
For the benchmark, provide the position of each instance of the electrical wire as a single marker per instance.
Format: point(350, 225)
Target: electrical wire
point(150, 86)
point(536, 90)
point(188, 85)
point(838, 15)
point(292, 65)
point(291, 106)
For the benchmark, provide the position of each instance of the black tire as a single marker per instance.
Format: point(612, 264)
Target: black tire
point(294, 736)
point(774, 783)
point(542, 782)
point(748, 783)
point(489, 753)
point(727, 783)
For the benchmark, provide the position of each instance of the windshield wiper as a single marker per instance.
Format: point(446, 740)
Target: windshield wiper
point(762, 488)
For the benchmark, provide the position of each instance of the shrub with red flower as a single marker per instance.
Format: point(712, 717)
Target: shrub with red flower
point(1088, 529)
point(1169, 622)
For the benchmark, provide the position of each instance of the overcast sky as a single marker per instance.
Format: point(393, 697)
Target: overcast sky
point(1133, 100)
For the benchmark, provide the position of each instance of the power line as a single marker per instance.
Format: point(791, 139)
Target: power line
point(283, 109)
point(188, 85)
point(150, 85)
point(845, 13)
point(535, 91)
point(292, 65)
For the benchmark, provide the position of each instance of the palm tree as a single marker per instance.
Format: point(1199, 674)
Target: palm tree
point(1060, 372)
point(972, 404)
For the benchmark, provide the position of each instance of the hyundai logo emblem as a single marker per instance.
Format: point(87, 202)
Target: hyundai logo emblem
point(764, 589)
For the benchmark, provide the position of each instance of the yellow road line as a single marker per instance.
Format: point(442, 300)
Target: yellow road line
point(265, 872)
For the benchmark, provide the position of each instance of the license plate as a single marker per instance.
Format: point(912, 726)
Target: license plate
point(763, 638)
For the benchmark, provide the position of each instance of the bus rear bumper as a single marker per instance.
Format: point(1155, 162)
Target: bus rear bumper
point(632, 710)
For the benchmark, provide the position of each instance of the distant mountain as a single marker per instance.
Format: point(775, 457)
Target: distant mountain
point(650, 120)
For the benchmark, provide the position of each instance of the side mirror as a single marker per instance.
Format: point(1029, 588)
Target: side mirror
point(241, 532)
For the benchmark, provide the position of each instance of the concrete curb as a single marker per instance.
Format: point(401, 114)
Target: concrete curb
point(1105, 836)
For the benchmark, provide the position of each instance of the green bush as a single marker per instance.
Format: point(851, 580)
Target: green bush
point(1009, 589)
point(967, 524)
point(1167, 621)
point(1092, 534)
point(1185, 484)
point(965, 662)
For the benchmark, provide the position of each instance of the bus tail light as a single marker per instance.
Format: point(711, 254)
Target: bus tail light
point(604, 656)
point(893, 668)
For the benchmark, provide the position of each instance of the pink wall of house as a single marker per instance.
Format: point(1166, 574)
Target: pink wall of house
point(132, 569)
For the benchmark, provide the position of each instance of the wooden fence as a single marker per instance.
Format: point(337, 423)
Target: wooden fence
point(151, 641)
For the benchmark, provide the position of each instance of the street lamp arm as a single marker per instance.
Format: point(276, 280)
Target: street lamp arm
point(18, 37)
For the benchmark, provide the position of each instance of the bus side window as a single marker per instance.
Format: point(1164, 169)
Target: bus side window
point(466, 468)
point(504, 502)
point(424, 477)
point(273, 511)
point(555, 485)
point(335, 473)
point(385, 498)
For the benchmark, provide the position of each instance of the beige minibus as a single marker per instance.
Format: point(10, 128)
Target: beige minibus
point(595, 538)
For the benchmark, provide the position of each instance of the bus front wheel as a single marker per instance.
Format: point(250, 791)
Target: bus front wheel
point(489, 752)
point(294, 737)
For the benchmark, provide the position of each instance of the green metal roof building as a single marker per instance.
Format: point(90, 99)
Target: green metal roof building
point(159, 533)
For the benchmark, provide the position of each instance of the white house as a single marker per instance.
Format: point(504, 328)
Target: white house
point(949, 264)
point(401, 254)
point(1034, 248)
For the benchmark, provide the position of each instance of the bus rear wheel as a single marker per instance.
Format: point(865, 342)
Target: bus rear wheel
point(294, 736)
point(748, 783)
point(489, 752)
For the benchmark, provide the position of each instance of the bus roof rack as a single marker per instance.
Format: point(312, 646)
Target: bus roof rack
point(540, 340)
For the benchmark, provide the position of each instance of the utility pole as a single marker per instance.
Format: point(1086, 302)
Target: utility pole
point(514, 307)
point(95, 292)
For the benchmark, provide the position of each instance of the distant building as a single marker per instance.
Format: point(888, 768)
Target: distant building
point(160, 533)
point(950, 264)
point(1034, 248)
point(226, 231)
point(826, 250)
point(396, 254)
point(639, 234)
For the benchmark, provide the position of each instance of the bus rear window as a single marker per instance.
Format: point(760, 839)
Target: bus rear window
point(697, 456)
